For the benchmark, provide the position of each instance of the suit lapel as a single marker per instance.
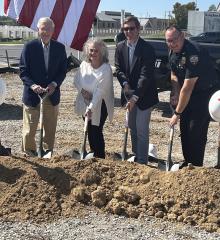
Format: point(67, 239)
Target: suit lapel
point(50, 56)
point(136, 55)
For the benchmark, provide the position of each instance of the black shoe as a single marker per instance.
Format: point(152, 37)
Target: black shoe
point(184, 164)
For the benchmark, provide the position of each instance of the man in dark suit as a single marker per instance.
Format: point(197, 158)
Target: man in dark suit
point(134, 62)
point(43, 66)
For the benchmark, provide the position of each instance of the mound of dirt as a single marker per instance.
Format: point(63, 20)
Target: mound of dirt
point(44, 190)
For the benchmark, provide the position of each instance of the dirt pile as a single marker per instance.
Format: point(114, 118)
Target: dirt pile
point(44, 190)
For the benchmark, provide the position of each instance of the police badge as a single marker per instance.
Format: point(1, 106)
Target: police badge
point(194, 59)
point(183, 61)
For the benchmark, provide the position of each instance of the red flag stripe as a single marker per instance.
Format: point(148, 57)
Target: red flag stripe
point(6, 4)
point(58, 15)
point(70, 29)
point(85, 23)
point(27, 13)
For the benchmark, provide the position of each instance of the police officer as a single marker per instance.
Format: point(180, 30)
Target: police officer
point(193, 80)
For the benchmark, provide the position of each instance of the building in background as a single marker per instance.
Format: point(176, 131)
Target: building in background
point(105, 23)
point(16, 32)
point(153, 23)
point(199, 22)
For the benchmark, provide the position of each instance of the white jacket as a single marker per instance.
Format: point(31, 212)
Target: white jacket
point(99, 82)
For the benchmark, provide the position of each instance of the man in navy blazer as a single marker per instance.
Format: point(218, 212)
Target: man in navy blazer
point(135, 62)
point(43, 65)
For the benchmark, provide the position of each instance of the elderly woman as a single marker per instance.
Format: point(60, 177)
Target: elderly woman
point(95, 98)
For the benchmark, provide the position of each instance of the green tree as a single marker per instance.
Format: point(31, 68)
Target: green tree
point(7, 21)
point(181, 13)
point(212, 8)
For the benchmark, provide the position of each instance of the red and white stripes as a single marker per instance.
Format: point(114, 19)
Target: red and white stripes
point(73, 18)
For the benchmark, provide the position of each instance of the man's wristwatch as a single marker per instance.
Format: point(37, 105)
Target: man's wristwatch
point(177, 113)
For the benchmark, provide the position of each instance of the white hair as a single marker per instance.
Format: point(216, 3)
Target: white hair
point(102, 46)
point(45, 20)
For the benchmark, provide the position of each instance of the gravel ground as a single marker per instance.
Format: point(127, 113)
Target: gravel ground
point(97, 226)
point(102, 226)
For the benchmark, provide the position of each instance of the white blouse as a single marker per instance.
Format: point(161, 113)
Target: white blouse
point(99, 82)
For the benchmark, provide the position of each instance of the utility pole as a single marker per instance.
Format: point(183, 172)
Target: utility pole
point(122, 17)
point(167, 18)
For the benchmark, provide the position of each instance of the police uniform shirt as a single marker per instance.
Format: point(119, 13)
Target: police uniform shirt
point(193, 61)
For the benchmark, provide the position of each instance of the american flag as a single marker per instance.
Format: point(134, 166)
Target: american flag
point(73, 18)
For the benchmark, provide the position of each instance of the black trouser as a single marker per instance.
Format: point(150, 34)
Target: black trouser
point(194, 122)
point(95, 134)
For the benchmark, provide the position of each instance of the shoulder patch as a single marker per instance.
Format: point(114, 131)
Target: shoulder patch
point(194, 59)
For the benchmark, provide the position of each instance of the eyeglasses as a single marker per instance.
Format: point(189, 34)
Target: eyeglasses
point(92, 50)
point(126, 29)
point(173, 40)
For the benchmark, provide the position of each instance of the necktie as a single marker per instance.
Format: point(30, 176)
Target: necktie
point(46, 56)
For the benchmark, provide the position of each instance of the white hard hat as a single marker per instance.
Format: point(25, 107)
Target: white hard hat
point(2, 91)
point(214, 106)
point(152, 151)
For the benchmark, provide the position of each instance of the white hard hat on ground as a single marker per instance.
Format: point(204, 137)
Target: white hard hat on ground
point(152, 151)
point(214, 106)
point(2, 91)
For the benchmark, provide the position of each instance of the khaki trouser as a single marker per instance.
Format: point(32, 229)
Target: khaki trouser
point(30, 123)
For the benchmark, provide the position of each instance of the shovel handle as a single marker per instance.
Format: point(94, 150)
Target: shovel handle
point(169, 162)
point(218, 157)
point(86, 124)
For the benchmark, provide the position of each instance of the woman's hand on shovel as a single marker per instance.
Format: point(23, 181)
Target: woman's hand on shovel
point(88, 113)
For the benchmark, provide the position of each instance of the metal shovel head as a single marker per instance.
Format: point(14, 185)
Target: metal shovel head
point(44, 154)
point(131, 159)
point(175, 167)
point(162, 165)
point(121, 156)
point(48, 154)
point(80, 155)
point(89, 156)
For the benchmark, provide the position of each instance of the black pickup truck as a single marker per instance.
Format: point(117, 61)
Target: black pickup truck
point(162, 73)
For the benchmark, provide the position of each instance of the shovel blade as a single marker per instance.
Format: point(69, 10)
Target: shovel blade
point(89, 156)
point(44, 154)
point(161, 165)
point(40, 153)
point(175, 167)
point(48, 154)
point(80, 155)
point(83, 155)
point(121, 156)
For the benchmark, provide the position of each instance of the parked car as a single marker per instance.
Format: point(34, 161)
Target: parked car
point(207, 37)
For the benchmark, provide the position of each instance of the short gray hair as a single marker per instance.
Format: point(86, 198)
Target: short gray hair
point(102, 46)
point(45, 20)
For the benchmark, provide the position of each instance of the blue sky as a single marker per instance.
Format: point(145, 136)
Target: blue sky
point(144, 8)
point(152, 8)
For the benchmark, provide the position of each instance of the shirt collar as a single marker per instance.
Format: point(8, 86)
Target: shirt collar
point(132, 45)
point(44, 45)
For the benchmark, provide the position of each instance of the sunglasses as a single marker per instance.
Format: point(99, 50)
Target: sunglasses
point(126, 29)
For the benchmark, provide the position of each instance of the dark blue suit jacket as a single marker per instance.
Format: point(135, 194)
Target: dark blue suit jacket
point(33, 70)
point(140, 75)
